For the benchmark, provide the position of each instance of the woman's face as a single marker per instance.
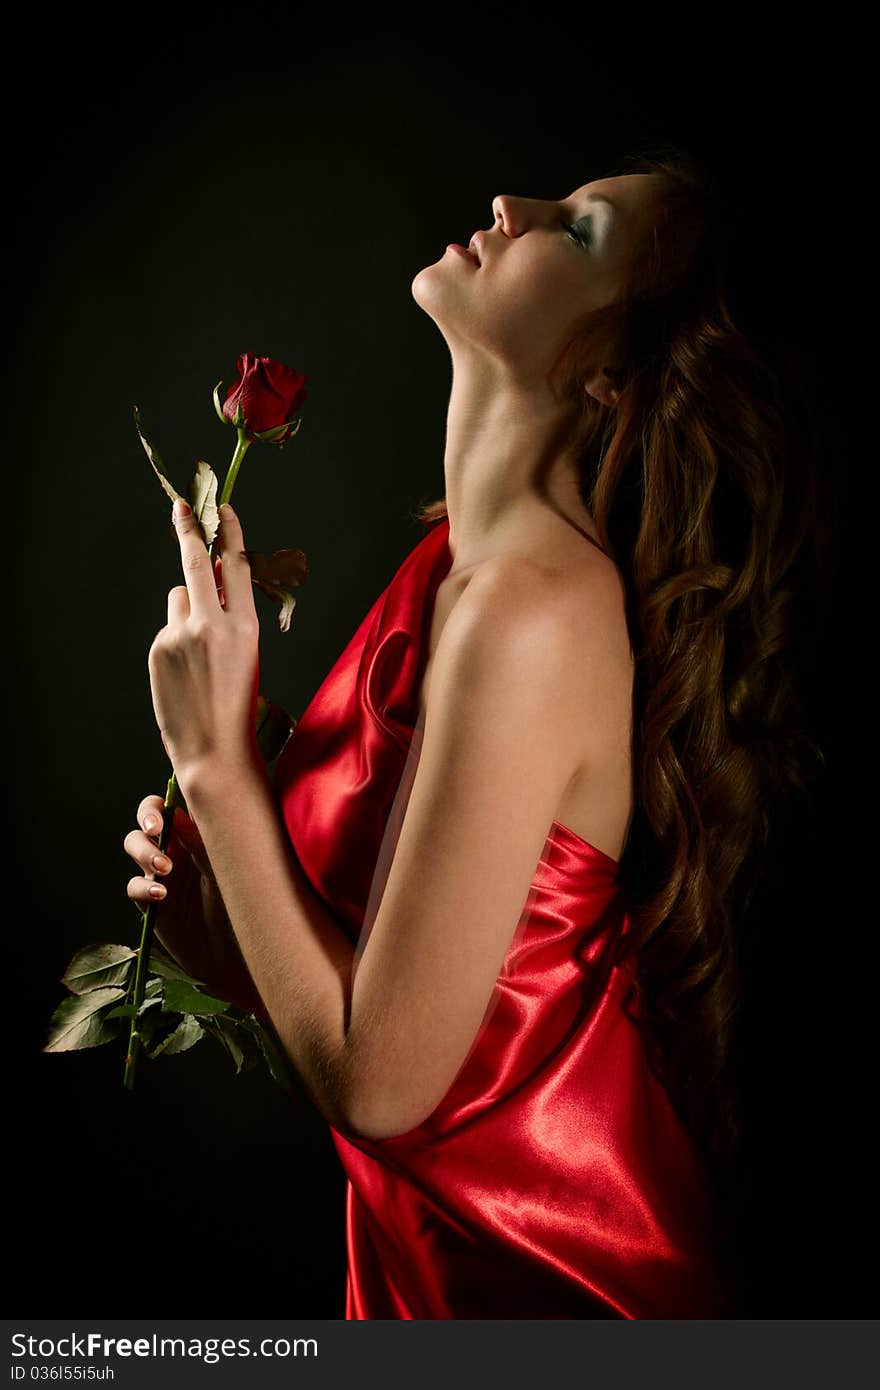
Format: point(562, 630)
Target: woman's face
point(543, 264)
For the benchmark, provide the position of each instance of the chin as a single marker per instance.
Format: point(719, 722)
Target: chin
point(426, 274)
point(426, 288)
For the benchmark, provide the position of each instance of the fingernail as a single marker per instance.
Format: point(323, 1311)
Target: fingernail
point(150, 824)
point(157, 890)
point(226, 512)
point(161, 864)
point(181, 508)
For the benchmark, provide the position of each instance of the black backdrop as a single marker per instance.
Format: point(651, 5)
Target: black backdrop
point(192, 184)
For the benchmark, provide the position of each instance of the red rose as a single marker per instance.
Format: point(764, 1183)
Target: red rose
point(264, 398)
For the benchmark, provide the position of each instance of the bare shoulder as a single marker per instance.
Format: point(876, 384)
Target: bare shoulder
point(571, 618)
point(549, 644)
point(507, 597)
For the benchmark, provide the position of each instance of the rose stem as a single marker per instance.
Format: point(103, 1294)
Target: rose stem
point(135, 1040)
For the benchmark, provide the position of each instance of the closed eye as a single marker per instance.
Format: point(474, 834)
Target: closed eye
point(582, 238)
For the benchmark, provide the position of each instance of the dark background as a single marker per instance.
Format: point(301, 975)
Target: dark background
point(196, 183)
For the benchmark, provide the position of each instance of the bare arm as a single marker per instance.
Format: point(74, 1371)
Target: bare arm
point(379, 1050)
point(298, 957)
point(496, 756)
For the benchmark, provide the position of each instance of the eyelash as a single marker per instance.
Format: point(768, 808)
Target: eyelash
point(580, 240)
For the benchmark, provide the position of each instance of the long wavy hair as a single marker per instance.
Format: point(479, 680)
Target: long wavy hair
point(707, 488)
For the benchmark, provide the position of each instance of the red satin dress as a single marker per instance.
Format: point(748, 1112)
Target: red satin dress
point(553, 1180)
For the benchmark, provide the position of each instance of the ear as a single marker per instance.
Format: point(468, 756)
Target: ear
point(601, 385)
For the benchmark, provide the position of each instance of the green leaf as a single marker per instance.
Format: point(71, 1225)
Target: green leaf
point(274, 727)
point(149, 1025)
point(81, 1022)
point(238, 1041)
point(100, 963)
point(280, 1069)
point(155, 459)
point(154, 1003)
point(182, 998)
point(122, 1011)
point(217, 406)
point(165, 965)
point(203, 496)
point(278, 432)
point(129, 1010)
point(187, 1032)
point(273, 435)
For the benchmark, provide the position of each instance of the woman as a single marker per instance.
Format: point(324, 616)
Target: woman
point(489, 904)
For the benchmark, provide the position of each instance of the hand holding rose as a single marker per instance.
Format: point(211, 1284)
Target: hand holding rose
point(204, 676)
point(204, 664)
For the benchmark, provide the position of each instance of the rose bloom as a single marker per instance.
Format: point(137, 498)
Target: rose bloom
point(265, 397)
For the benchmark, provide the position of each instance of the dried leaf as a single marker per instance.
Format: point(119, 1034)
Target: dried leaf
point(203, 497)
point(81, 1022)
point(100, 963)
point(155, 459)
point(282, 596)
point(276, 574)
point(287, 568)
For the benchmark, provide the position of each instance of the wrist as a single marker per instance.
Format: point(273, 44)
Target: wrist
point(210, 780)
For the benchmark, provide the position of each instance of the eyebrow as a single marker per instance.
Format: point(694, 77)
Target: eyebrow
point(600, 198)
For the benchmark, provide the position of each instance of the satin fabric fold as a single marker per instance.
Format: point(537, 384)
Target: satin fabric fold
point(553, 1180)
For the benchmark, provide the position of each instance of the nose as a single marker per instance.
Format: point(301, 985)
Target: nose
point(503, 213)
point(515, 215)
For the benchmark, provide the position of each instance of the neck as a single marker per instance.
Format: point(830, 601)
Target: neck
point(511, 484)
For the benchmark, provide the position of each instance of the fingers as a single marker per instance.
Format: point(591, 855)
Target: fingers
point(142, 847)
point(198, 570)
point(178, 604)
point(144, 852)
point(149, 814)
point(144, 891)
point(238, 586)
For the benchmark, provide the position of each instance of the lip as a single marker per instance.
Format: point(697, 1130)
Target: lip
point(476, 244)
point(463, 251)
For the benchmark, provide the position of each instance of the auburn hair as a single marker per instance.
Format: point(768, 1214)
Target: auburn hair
point(706, 484)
